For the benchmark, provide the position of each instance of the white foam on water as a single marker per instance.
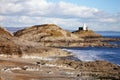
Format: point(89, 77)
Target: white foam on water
point(92, 54)
point(86, 55)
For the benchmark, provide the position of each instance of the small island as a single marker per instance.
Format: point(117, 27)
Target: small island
point(35, 53)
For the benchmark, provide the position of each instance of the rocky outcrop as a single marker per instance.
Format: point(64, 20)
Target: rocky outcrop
point(4, 32)
point(54, 36)
point(11, 46)
point(7, 45)
point(93, 39)
point(26, 69)
point(87, 34)
point(45, 32)
point(48, 35)
point(20, 50)
point(98, 70)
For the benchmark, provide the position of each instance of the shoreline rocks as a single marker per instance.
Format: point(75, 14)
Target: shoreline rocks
point(46, 32)
point(28, 48)
point(53, 36)
point(11, 46)
point(39, 69)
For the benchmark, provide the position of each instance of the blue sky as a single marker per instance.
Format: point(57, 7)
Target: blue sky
point(111, 6)
point(99, 15)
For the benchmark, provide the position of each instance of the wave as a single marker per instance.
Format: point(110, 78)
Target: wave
point(84, 55)
point(92, 54)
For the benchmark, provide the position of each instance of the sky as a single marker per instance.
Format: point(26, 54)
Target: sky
point(99, 15)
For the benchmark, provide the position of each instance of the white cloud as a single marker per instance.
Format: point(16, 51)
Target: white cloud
point(109, 20)
point(2, 18)
point(9, 7)
point(33, 12)
point(44, 8)
point(77, 11)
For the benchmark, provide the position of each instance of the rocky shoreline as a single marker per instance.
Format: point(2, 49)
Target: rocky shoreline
point(27, 69)
point(33, 54)
point(54, 36)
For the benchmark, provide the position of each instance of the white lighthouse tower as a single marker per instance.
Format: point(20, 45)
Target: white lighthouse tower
point(84, 27)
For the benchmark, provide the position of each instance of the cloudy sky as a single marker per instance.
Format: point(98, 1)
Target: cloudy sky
point(99, 15)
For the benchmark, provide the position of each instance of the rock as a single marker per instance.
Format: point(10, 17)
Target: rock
point(28, 46)
point(7, 46)
point(45, 32)
point(54, 36)
point(11, 46)
point(47, 35)
point(93, 39)
point(87, 34)
point(97, 69)
point(5, 33)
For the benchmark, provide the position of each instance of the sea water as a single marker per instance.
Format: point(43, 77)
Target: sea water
point(94, 53)
point(99, 53)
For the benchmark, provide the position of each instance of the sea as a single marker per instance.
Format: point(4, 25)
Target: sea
point(110, 54)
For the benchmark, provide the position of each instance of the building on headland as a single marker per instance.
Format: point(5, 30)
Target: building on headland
point(84, 27)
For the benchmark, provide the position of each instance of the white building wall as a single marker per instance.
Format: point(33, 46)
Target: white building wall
point(84, 27)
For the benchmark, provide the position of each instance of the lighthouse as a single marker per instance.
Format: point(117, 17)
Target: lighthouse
point(84, 27)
